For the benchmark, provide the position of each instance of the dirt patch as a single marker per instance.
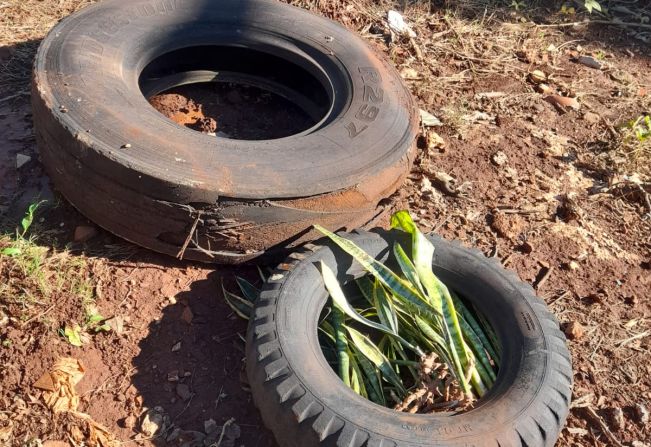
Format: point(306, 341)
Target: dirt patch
point(231, 110)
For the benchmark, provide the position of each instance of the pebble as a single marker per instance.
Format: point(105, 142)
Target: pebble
point(84, 233)
point(209, 426)
point(22, 160)
point(173, 376)
point(151, 422)
point(183, 391)
point(590, 61)
point(617, 418)
point(129, 421)
point(574, 330)
point(641, 414)
point(499, 158)
point(591, 117)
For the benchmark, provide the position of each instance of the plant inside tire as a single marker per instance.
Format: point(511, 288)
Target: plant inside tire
point(305, 404)
point(205, 197)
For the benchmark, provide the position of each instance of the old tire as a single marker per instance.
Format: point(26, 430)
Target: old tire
point(158, 184)
point(305, 404)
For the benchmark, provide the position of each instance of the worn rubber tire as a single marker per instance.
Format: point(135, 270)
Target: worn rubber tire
point(304, 403)
point(153, 182)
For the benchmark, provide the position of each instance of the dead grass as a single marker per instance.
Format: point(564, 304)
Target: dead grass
point(23, 23)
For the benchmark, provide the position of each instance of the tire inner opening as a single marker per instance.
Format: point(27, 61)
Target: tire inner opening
point(431, 387)
point(236, 92)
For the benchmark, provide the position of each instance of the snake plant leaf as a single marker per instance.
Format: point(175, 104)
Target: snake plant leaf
point(384, 308)
point(372, 353)
point(249, 291)
point(392, 281)
point(242, 308)
point(371, 378)
point(407, 267)
point(341, 343)
point(340, 302)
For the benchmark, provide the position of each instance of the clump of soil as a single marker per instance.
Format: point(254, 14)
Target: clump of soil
point(232, 110)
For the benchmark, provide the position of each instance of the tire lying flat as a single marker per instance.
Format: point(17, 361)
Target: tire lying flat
point(153, 182)
point(305, 404)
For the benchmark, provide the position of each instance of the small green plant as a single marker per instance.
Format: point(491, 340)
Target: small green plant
point(635, 142)
point(16, 248)
point(592, 5)
point(400, 333)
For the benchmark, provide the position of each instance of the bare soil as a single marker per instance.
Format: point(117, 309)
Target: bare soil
point(232, 110)
point(547, 189)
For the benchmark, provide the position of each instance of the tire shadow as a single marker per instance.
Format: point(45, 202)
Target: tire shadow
point(191, 367)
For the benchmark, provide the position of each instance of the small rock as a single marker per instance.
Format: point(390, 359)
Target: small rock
point(544, 89)
point(527, 247)
point(641, 414)
point(173, 376)
point(499, 158)
point(616, 416)
point(574, 330)
point(507, 226)
point(572, 265)
point(209, 426)
point(151, 422)
point(434, 140)
point(186, 314)
point(129, 421)
point(183, 391)
point(589, 61)
point(84, 233)
point(176, 347)
point(125, 146)
point(409, 73)
point(537, 76)
point(174, 435)
point(591, 117)
point(429, 120)
point(22, 160)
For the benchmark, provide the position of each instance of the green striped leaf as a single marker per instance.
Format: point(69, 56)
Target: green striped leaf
point(371, 378)
point(375, 356)
point(341, 343)
point(243, 308)
point(249, 291)
point(384, 308)
point(407, 267)
point(340, 301)
point(393, 282)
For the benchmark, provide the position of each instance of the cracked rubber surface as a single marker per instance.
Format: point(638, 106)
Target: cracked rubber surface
point(305, 404)
point(151, 181)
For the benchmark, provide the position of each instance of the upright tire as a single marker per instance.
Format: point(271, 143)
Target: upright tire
point(305, 404)
point(169, 188)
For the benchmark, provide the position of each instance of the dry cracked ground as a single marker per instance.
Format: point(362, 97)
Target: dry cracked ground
point(530, 155)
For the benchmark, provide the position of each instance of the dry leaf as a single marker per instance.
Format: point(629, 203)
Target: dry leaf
point(59, 384)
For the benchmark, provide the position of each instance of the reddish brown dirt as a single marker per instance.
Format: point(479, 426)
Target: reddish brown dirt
point(587, 253)
point(232, 111)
